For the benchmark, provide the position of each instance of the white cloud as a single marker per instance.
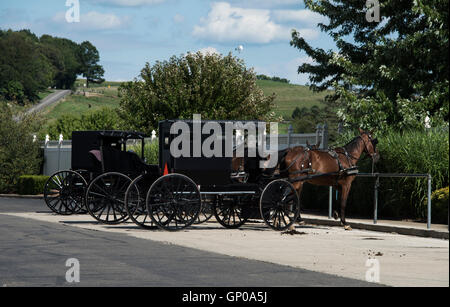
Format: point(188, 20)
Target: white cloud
point(225, 23)
point(303, 16)
point(127, 2)
point(266, 3)
point(94, 21)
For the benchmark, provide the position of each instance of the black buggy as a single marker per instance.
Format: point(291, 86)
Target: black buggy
point(230, 188)
point(114, 185)
point(102, 170)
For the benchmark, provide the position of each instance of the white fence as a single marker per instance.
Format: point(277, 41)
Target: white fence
point(58, 154)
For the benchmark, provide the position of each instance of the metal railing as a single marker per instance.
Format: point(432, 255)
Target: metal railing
point(377, 177)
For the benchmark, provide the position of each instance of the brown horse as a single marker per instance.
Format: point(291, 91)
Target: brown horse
point(331, 166)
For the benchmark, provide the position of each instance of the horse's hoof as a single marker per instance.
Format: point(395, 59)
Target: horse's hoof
point(302, 223)
point(347, 227)
point(292, 228)
point(335, 215)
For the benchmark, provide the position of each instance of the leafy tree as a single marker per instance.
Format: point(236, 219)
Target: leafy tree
point(214, 86)
point(65, 57)
point(24, 70)
point(305, 120)
point(91, 70)
point(18, 154)
point(29, 64)
point(392, 73)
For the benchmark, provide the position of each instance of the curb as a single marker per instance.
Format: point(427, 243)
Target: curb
point(22, 196)
point(384, 228)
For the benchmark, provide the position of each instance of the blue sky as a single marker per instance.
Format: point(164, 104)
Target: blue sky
point(129, 33)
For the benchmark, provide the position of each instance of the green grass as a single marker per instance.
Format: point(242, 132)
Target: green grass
point(44, 94)
point(80, 82)
point(79, 104)
point(290, 96)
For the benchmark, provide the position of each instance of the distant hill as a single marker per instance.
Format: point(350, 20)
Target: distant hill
point(290, 96)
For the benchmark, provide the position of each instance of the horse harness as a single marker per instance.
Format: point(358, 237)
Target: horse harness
point(310, 173)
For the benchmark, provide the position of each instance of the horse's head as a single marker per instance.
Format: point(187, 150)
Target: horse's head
point(370, 144)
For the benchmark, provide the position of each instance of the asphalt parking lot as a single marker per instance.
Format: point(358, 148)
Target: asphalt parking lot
point(36, 244)
point(34, 253)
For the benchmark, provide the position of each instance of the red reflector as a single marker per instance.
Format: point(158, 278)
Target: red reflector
point(166, 170)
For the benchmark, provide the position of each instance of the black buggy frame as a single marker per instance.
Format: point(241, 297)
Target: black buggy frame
point(233, 195)
point(102, 169)
point(114, 185)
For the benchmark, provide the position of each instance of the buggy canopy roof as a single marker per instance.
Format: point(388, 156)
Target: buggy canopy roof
point(116, 134)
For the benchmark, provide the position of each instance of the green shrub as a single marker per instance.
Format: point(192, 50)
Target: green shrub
point(215, 86)
point(18, 154)
point(104, 119)
point(31, 184)
point(439, 206)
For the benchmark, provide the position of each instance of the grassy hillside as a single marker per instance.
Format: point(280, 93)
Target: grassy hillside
point(81, 102)
point(290, 96)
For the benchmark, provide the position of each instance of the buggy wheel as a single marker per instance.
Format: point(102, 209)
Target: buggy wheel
point(229, 213)
point(105, 198)
point(279, 205)
point(206, 212)
point(87, 177)
point(135, 202)
point(173, 202)
point(64, 192)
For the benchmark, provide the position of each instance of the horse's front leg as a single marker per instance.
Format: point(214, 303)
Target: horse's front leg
point(345, 189)
point(298, 186)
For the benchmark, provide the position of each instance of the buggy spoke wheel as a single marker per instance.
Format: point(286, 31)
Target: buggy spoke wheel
point(228, 212)
point(173, 202)
point(64, 192)
point(135, 202)
point(206, 212)
point(105, 198)
point(279, 205)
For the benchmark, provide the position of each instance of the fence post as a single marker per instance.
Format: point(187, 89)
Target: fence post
point(47, 139)
point(59, 150)
point(325, 136)
point(375, 200)
point(330, 202)
point(290, 131)
point(318, 133)
point(429, 203)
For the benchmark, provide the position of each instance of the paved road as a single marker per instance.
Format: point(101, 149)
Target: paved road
point(47, 101)
point(33, 253)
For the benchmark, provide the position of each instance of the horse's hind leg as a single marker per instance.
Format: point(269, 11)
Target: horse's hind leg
point(345, 189)
point(334, 201)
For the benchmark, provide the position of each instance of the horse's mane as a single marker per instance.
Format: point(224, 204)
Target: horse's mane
point(350, 146)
